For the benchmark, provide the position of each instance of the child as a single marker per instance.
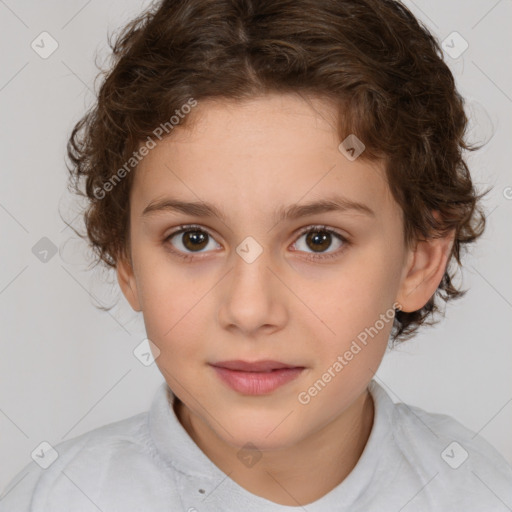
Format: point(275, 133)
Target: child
point(280, 188)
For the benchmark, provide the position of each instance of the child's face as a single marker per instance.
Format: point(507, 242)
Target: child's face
point(250, 161)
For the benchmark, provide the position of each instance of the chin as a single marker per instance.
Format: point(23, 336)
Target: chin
point(265, 432)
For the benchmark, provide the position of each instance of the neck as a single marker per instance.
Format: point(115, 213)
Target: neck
point(299, 474)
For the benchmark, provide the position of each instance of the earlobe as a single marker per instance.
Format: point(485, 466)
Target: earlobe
point(127, 282)
point(425, 268)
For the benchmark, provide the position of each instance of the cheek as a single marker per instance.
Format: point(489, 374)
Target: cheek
point(362, 285)
point(173, 306)
point(356, 305)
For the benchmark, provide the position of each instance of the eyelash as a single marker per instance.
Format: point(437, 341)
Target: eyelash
point(311, 256)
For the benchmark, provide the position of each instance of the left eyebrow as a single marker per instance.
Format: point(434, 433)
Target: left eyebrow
point(290, 212)
point(332, 204)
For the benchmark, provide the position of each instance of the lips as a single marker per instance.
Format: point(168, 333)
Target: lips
point(256, 378)
point(257, 366)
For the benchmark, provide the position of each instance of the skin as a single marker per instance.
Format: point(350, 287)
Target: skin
point(249, 158)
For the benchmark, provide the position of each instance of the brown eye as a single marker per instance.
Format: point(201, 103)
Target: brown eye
point(194, 240)
point(317, 241)
point(191, 240)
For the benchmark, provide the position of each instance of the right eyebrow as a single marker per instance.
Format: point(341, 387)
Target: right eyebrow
point(196, 209)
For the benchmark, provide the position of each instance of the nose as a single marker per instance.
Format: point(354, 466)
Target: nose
point(253, 298)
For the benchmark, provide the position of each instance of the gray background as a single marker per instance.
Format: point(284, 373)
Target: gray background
point(67, 367)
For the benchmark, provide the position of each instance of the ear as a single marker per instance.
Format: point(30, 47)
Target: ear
point(424, 270)
point(127, 282)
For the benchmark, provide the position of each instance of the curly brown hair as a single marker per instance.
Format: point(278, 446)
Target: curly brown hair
point(382, 68)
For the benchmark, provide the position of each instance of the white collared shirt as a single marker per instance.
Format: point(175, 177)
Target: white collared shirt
point(413, 461)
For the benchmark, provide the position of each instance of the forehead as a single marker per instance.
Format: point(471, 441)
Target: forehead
point(257, 154)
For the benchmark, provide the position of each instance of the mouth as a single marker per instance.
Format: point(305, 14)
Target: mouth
point(257, 366)
point(256, 378)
